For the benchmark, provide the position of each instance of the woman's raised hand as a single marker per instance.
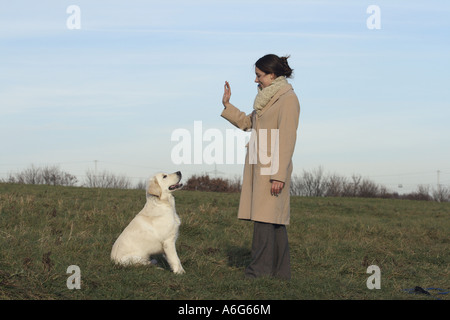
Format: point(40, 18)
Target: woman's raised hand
point(226, 94)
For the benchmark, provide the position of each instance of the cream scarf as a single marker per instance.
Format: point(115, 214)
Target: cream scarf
point(265, 95)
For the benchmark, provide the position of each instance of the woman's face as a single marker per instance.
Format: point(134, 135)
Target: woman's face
point(263, 79)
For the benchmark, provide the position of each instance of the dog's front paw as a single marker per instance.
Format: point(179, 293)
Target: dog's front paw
point(179, 270)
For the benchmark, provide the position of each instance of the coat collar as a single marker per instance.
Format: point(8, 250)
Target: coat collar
point(277, 95)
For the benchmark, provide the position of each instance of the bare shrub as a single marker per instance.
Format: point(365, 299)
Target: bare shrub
point(441, 194)
point(335, 187)
point(384, 193)
point(350, 188)
point(106, 179)
point(297, 187)
point(141, 185)
point(50, 175)
point(205, 183)
point(314, 182)
point(422, 193)
point(31, 175)
point(368, 189)
point(235, 185)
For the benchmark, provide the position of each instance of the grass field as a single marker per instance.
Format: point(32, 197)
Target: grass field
point(45, 229)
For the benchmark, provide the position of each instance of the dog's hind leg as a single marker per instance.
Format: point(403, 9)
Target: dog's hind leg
point(134, 260)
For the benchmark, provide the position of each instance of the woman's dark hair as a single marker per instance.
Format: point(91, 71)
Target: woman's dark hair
point(272, 63)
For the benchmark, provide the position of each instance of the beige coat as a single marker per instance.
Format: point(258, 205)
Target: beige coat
point(282, 113)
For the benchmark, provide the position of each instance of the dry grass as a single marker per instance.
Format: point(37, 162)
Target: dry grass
point(45, 229)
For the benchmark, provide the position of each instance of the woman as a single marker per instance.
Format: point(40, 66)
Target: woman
point(267, 171)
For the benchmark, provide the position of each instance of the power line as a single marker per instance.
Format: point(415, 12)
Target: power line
point(402, 174)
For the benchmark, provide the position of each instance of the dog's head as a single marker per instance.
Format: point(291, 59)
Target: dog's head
point(164, 183)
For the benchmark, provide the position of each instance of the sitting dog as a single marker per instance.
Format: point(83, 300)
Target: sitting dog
point(154, 230)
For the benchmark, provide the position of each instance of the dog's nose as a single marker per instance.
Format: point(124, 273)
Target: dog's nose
point(178, 173)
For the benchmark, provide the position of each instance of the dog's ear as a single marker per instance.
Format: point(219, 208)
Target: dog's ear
point(154, 188)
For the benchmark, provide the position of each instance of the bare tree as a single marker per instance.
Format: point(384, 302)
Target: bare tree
point(297, 186)
point(315, 182)
point(141, 185)
point(106, 179)
point(441, 194)
point(368, 189)
point(335, 187)
point(351, 187)
point(51, 175)
point(422, 193)
point(31, 175)
point(384, 192)
point(308, 183)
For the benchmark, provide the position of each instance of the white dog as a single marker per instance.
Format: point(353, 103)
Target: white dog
point(155, 229)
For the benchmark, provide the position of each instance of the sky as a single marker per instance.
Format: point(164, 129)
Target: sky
point(110, 89)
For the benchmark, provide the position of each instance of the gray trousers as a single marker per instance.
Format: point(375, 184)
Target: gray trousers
point(270, 252)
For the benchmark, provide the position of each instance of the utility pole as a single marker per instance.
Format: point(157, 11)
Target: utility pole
point(438, 182)
point(215, 171)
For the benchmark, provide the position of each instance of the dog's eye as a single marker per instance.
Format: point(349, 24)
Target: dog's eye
point(164, 176)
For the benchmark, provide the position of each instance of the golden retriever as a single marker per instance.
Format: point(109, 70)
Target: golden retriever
point(154, 230)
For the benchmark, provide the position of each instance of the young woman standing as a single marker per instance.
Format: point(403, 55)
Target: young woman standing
point(268, 165)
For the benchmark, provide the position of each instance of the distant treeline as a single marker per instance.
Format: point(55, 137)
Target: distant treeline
point(314, 183)
point(53, 175)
